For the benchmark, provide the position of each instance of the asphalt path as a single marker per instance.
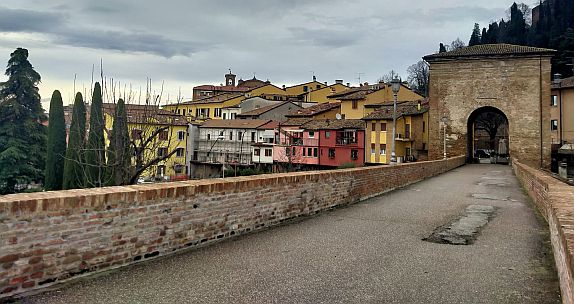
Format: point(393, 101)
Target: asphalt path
point(371, 252)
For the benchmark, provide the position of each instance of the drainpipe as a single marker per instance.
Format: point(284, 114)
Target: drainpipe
point(540, 109)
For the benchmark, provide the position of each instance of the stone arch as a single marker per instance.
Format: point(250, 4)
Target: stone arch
point(491, 123)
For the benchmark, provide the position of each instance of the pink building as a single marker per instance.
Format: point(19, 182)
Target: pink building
point(296, 145)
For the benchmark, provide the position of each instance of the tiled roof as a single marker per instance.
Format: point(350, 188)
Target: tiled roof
point(208, 87)
point(334, 124)
point(147, 114)
point(564, 83)
point(390, 103)
point(485, 50)
point(264, 109)
point(354, 93)
point(404, 109)
point(211, 99)
point(294, 122)
point(315, 110)
point(235, 123)
point(269, 126)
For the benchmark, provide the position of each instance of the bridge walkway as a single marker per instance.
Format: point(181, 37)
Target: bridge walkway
point(370, 252)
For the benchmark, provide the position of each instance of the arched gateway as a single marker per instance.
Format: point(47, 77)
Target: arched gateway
point(508, 80)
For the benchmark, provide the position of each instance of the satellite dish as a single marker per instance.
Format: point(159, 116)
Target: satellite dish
point(338, 116)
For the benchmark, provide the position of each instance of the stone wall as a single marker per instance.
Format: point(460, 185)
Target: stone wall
point(517, 86)
point(555, 200)
point(50, 237)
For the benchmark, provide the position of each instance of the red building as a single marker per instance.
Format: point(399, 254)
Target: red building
point(340, 142)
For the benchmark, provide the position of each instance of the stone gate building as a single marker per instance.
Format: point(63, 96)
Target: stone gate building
point(508, 79)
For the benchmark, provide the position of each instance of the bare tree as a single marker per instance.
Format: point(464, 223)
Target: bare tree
point(419, 77)
point(490, 123)
point(388, 77)
point(456, 44)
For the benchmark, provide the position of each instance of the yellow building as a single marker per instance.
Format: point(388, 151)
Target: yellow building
point(211, 107)
point(157, 133)
point(304, 88)
point(322, 95)
point(319, 111)
point(411, 140)
point(355, 100)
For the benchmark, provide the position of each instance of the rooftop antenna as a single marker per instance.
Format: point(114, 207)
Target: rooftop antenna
point(313, 74)
point(359, 78)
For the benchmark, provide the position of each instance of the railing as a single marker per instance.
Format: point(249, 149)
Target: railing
point(346, 141)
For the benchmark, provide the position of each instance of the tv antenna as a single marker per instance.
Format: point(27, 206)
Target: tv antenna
point(359, 77)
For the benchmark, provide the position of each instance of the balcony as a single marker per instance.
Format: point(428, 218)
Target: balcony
point(404, 137)
point(346, 141)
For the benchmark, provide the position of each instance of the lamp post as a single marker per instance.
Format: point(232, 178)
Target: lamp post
point(396, 86)
point(444, 120)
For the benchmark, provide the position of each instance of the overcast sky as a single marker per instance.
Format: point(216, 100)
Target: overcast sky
point(184, 43)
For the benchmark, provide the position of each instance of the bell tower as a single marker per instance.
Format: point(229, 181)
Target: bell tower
point(230, 79)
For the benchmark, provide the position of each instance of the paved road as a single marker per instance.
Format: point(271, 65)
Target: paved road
point(368, 253)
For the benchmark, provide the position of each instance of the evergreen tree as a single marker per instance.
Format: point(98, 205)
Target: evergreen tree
point(73, 165)
point(22, 135)
point(95, 147)
point(475, 36)
point(516, 29)
point(493, 33)
point(119, 151)
point(56, 144)
point(441, 48)
point(484, 37)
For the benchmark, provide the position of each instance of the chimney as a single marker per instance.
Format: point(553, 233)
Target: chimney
point(314, 78)
point(283, 87)
point(339, 81)
point(325, 83)
point(557, 78)
point(348, 84)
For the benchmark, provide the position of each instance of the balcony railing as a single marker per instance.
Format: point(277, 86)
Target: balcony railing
point(346, 141)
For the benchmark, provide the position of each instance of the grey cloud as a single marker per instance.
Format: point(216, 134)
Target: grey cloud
point(128, 42)
point(19, 20)
point(325, 37)
point(55, 26)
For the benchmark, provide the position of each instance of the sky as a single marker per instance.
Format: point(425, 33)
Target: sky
point(179, 44)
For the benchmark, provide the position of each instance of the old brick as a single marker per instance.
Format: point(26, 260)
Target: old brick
point(9, 258)
point(35, 260)
point(37, 275)
point(71, 259)
point(18, 280)
point(28, 284)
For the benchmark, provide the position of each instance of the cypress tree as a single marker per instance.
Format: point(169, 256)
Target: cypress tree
point(22, 135)
point(56, 144)
point(475, 36)
point(119, 151)
point(73, 164)
point(95, 147)
point(484, 37)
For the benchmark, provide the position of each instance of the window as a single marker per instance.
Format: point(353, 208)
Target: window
point(309, 152)
point(383, 149)
point(268, 152)
point(163, 135)
point(305, 88)
point(331, 153)
point(383, 126)
point(224, 115)
point(554, 125)
point(178, 111)
point(161, 152)
point(407, 131)
point(240, 136)
point(179, 152)
point(136, 134)
point(294, 151)
point(424, 126)
point(253, 136)
point(208, 136)
point(355, 104)
point(183, 112)
point(217, 112)
point(257, 152)
point(327, 134)
point(554, 100)
point(230, 135)
point(233, 115)
point(354, 154)
point(304, 152)
point(373, 127)
point(178, 169)
point(315, 152)
point(311, 134)
point(287, 151)
point(181, 135)
point(318, 86)
point(372, 148)
point(408, 151)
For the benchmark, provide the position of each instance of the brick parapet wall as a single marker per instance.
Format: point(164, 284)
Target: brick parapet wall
point(50, 237)
point(555, 201)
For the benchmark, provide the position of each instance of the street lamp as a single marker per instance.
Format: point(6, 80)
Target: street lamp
point(444, 120)
point(396, 86)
